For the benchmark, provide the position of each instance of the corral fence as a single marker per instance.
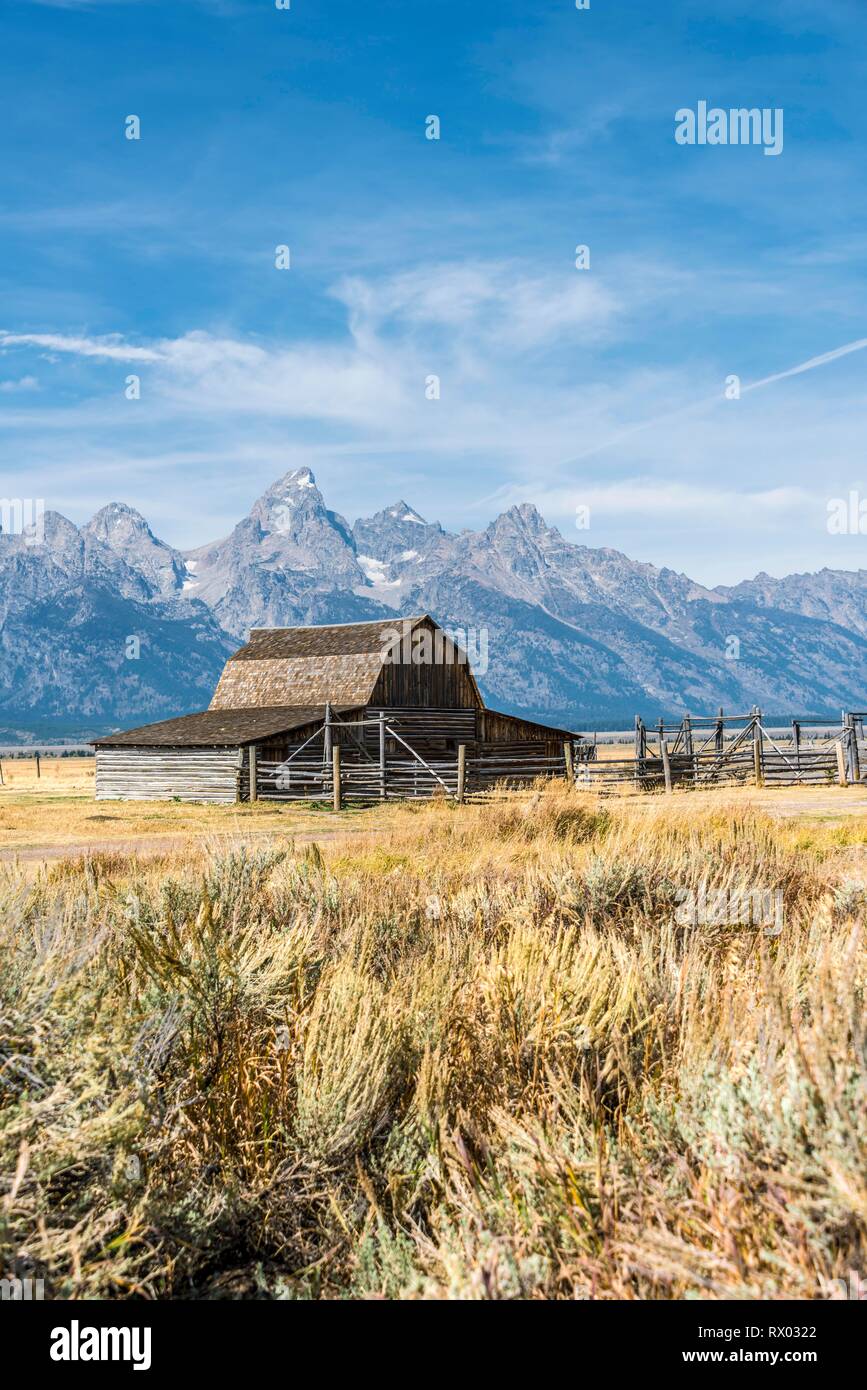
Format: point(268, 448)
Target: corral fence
point(720, 750)
point(698, 753)
point(323, 770)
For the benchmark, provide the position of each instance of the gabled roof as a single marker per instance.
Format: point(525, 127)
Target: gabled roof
point(340, 662)
point(218, 728)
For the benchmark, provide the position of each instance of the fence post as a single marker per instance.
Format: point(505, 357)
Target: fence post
point(462, 770)
point(757, 747)
point(335, 764)
point(852, 749)
point(719, 736)
point(329, 741)
point(567, 756)
point(796, 740)
point(382, 787)
point(689, 747)
point(666, 765)
point(239, 769)
point(841, 763)
point(640, 749)
point(254, 774)
point(38, 772)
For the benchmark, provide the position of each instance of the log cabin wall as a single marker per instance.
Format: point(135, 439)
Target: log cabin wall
point(426, 730)
point(504, 732)
point(160, 774)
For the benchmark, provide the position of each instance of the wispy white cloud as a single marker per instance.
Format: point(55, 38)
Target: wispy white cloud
point(88, 217)
point(455, 320)
point(510, 347)
point(499, 301)
point(111, 347)
point(24, 383)
point(559, 144)
point(640, 498)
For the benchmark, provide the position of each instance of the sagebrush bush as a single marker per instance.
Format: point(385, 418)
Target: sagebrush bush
point(482, 1059)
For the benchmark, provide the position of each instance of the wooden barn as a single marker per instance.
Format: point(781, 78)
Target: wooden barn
point(398, 693)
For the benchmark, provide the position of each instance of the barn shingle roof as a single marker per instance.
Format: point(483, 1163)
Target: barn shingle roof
point(220, 728)
point(335, 639)
point(309, 665)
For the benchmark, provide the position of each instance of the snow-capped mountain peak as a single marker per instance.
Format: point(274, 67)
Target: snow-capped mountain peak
point(577, 635)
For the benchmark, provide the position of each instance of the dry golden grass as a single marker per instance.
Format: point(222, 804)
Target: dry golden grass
point(66, 775)
point(58, 811)
point(473, 1057)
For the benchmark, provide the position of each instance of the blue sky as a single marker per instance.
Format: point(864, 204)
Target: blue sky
point(412, 258)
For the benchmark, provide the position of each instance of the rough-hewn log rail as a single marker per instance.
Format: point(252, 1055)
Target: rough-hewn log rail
point(380, 760)
point(155, 774)
point(721, 750)
point(401, 778)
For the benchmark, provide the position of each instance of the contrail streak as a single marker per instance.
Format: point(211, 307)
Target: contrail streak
point(808, 366)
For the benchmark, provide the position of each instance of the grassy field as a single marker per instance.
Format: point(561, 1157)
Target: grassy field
point(432, 1052)
point(55, 815)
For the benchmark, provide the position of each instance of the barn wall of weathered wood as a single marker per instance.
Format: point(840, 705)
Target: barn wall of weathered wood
point(426, 730)
point(429, 731)
point(503, 730)
point(159, 774)
point(425, 669)
point(522, 748)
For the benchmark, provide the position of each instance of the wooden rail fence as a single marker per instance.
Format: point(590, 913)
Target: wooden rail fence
point(398, 778)
point(732, 750)
point(698, 753)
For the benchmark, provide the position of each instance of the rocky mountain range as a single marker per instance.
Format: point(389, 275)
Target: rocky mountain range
point(104, 625)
